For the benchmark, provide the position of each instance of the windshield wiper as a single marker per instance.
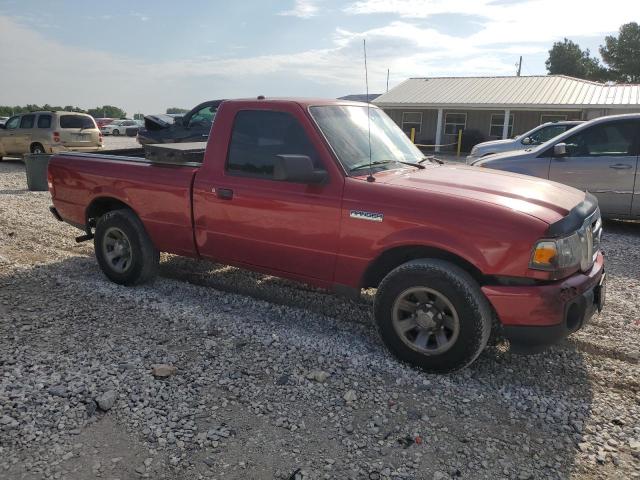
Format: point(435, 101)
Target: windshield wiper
point(431, 159)
point(362, 165)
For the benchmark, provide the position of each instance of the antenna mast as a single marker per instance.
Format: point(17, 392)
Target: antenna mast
point(370, 178)
point(519, 67)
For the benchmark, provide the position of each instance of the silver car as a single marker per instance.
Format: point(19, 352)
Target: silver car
point(534, 137)
point(600, 156)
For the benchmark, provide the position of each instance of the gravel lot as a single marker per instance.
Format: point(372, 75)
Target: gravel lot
point(274, 377)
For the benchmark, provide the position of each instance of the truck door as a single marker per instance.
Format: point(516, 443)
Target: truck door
point(24, 133)
point(601, 159)
point(242, 215)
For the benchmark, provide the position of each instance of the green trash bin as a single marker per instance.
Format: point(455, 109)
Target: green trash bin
point(36, 165)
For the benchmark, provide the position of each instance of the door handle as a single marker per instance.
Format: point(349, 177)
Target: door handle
point(620, 166)
point(224, 193)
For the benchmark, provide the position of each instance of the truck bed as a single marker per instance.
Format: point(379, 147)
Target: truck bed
point(178, 154)
point(159, 191)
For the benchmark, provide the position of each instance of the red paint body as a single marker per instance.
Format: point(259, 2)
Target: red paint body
point(487, 218)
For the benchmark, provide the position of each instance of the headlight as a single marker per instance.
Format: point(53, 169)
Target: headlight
point(572, 252)
point(558, 254)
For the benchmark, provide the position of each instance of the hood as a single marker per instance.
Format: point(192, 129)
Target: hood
point(508, 154)
point(158, 122)
point(494, 143)
point(545, 200)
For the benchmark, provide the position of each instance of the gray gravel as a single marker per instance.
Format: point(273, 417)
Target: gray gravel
point(214, 372)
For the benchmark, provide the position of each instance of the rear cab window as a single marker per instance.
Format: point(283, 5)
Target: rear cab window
point(44, 121)
point(76, 121)
point(258, 136)
point(27, 121)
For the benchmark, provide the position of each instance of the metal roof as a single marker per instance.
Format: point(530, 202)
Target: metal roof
point(543, 91)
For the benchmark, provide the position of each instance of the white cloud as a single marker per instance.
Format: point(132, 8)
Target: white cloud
point(302, 9)
point(523, 21)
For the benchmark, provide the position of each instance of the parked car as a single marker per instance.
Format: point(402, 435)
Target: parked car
point(101, 122)
point(193, 126)
point(600, 156)
point(118, 127)
point(532, 138)
point(3, 120)
point(49, 132)
point(299, 189)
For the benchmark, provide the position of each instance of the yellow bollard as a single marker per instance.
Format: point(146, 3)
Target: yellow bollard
point(459, 141)
point(413, 135)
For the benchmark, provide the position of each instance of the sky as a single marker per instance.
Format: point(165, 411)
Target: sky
point(147, 55)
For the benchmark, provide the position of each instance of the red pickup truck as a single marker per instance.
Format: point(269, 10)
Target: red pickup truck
point(333, 194)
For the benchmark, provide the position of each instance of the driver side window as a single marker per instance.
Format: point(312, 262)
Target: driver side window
point(203, 116)
point(612, 139)
point(546, 133)
point(258, 136)
point(12, 123)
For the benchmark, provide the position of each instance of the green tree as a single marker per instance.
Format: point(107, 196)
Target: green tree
point(622, 53)
point(177, 110)
point(107, 111)
point(567, 58)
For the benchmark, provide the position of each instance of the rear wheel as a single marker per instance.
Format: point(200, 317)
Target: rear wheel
point(432, 314)
point(37, 148)
point(124, 250)
point(115, 132)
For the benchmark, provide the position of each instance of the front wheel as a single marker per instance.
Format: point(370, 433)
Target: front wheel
point(432, 314)
point(124, 250)
point(115, 133)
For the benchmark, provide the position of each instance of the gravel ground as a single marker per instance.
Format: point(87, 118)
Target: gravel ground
point(213, 372)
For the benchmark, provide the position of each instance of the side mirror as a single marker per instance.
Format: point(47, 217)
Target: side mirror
point(298, 169)
point(559, 149)
point(526, 141)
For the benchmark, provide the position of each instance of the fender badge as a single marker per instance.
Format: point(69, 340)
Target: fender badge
point(362, 215)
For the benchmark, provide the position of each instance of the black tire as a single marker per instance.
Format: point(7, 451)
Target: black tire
point(144, 257)
point(473, 313)
point(115, 132)
point(37, 148)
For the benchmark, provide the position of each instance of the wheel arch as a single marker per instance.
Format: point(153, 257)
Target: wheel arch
point(396, 256)
point(32, 144)
point(101, 205)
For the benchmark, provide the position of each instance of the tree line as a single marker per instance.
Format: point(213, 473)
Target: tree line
point(106, 111)
point(620, 55)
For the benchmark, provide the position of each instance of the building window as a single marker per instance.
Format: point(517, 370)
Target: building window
point(497, 124)
point(411, 120)
point(552, 118)
point(453, 122)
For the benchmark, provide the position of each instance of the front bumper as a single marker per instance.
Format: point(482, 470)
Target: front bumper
point(533, 317)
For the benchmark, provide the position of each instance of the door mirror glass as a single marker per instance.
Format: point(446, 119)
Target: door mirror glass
point(298, 169)
point(526, 141)
point(559, 149)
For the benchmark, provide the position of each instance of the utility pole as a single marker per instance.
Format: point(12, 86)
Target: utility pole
point(519, 67)
point(387, 79)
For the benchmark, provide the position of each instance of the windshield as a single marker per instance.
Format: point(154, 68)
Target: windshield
point(347, 131)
